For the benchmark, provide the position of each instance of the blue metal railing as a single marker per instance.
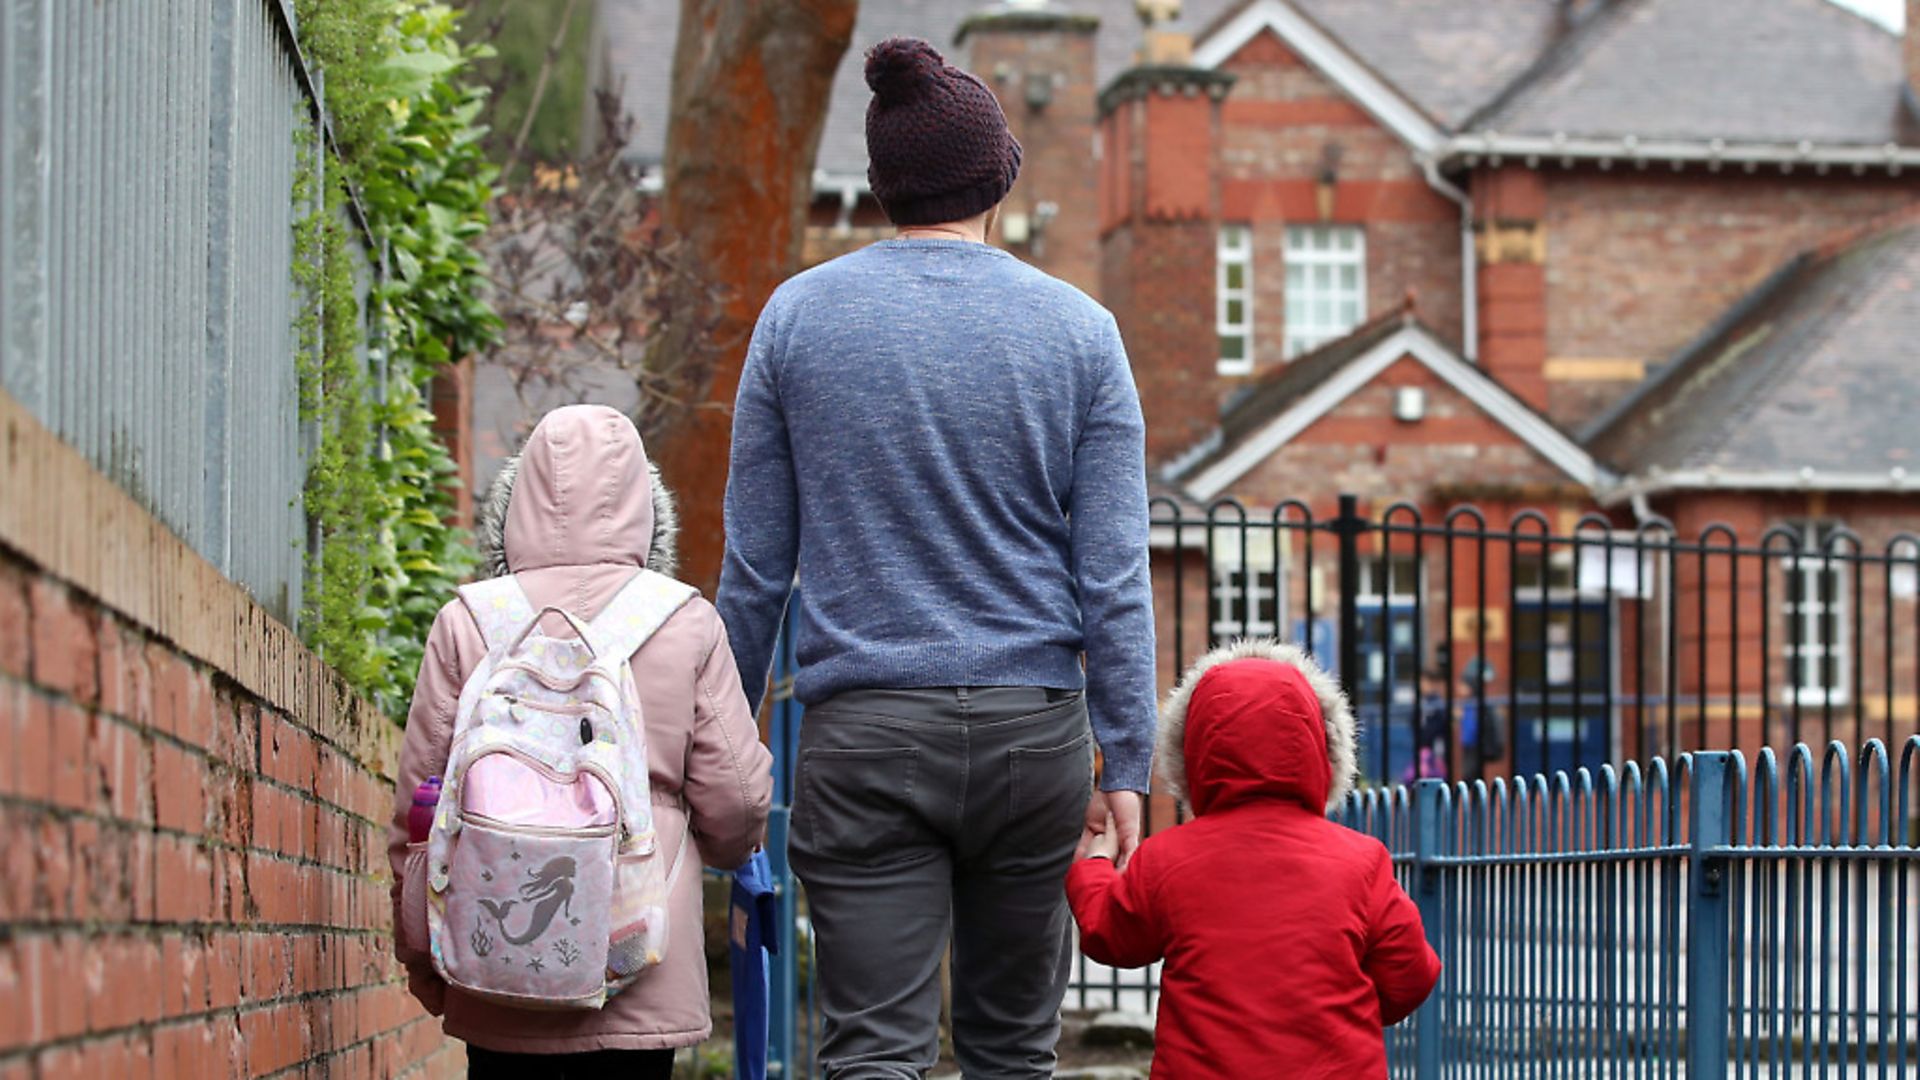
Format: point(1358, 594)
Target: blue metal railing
point(1691, 922)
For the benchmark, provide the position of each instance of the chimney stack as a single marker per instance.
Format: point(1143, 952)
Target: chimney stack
point(1159, 226)
point(1039, 59)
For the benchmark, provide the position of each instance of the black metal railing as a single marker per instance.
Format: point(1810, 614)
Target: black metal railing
point(1596, 642)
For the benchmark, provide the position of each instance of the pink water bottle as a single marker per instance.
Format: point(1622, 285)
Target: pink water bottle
point(426, 798)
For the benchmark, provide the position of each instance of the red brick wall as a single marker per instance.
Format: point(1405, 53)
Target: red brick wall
point(1753, 711)
point(1640, 262)
point(1157, 261)
point(1359, 448)
point(1278, 126)
point(1160, 288)
point(1057, 141)
point(191, 811)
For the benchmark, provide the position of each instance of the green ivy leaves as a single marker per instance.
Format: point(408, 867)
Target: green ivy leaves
point(407, 130)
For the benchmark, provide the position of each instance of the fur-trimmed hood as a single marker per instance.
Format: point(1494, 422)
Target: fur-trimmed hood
point(658, 550)
point(1257, 718)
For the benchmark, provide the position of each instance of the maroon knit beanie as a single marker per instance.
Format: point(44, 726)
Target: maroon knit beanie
point(938, 148)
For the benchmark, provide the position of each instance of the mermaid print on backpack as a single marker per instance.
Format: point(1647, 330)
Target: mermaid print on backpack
point(544, 884)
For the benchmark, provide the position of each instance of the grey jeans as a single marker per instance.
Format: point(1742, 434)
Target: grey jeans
point(929, 816)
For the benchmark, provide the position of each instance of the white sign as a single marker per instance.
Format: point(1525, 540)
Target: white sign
point(1632, 572)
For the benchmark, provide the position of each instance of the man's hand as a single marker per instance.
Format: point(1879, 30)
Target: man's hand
point(1113, 817)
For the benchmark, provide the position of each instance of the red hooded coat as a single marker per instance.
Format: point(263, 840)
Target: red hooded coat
point(1288, 944)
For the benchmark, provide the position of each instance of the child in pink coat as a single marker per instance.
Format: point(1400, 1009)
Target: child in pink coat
point(573, 518)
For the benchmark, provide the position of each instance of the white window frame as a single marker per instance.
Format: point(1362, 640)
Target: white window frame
point(1314, 311)
point(1803, 660)
point(1367, 591)
point(1398, 598)
point(1234, 248)
point(1233, 607)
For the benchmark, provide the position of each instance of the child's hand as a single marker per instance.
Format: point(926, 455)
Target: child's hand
point(1104, 844)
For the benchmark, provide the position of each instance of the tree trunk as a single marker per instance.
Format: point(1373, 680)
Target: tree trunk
point(751, 80)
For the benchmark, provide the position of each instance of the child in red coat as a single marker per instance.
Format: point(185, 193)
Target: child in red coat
point(1289, 947)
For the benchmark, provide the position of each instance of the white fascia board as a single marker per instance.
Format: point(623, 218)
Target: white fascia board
point(1543, 438)
point(1161, 537)
point(833, 183)
point(1895, 480)
point(1704, 151)
point(1319, 49)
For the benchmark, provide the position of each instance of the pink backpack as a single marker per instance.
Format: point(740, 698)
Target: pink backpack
point(544, 884)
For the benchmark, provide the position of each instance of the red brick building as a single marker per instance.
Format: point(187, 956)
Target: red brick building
point(1615, 262)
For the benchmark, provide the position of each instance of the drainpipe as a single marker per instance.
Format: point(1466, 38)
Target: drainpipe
point(1469, 275)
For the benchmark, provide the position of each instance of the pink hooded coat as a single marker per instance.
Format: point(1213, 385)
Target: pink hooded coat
point(579, 518)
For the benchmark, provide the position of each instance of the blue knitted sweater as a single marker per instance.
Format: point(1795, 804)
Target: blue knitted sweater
point(946, 445)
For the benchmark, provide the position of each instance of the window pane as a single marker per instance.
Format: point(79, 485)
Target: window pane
point(1296, 276)
point(1350, 277)
point(1349, 313)
point(1830, 675)
point(1236, 312)
point(1322, 312)
point(1796, 587)
point(1233, 347)
point(1829, 585)
point(1236, 276)
point(1323, 278)
point(1346, 238)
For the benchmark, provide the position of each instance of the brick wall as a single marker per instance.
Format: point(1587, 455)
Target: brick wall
point(1161, 198)
point(1285, 128)
point(1741, 645)
point(1640, 262)
point(1359, 448)
point(1057, 140)
point(191, 811)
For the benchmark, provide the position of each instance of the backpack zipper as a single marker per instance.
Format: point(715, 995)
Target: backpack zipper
point(584, 832)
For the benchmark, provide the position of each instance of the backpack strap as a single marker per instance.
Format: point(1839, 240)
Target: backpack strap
point(500, 607)
point(640, 608)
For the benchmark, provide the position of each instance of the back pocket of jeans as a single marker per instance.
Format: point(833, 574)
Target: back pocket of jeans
point(857, 803)
point(1050, 780)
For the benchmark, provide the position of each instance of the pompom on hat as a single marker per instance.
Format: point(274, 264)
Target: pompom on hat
point(938, 147)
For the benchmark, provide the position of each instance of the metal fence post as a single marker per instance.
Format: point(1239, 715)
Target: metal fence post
point(1347, 527)
point(783, 982)
point(1429, 841)
point(1707, 917)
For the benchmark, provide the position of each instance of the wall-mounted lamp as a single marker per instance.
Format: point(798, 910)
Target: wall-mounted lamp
point(1019, 227)
point(1039, 90)
point(1323, 189)
point(1409, 404)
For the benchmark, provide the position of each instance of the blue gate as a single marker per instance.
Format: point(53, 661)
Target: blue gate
point(1695, 922)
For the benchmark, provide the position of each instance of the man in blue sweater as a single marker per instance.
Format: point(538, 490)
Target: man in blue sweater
point(946, 445)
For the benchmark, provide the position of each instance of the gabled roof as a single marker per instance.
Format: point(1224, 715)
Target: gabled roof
point(1444, 58)
point(1777, 82)
point(1743, 71)
point(1291, 398)
point(1812, 381)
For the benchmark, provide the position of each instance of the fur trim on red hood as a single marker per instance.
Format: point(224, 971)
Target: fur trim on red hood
point(1243, 739)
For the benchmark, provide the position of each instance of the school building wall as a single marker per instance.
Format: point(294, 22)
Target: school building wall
point(192, 812)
